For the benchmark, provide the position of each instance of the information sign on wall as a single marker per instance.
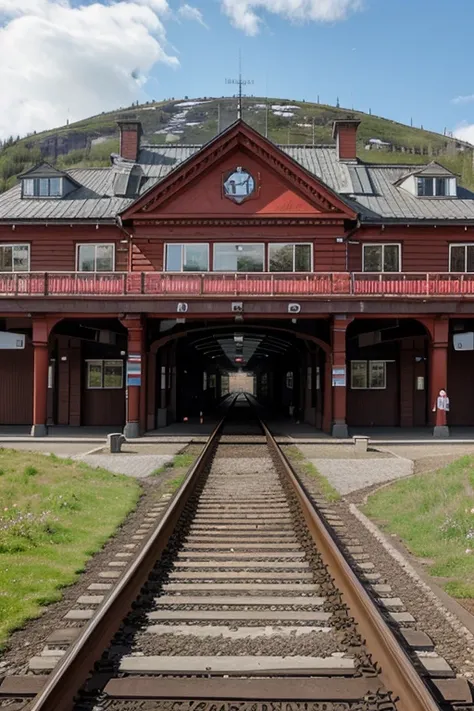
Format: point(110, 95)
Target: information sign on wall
point(134, 370)
point(339, 377)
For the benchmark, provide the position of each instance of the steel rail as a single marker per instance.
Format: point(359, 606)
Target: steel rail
point(72, 672)
point(397, 671)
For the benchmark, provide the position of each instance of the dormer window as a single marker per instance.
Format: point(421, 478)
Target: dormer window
point(42, 187)
point(432, 181)
point(435, 187)
point(46, 181)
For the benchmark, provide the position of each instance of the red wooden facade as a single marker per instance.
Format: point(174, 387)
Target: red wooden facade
point(61, 308)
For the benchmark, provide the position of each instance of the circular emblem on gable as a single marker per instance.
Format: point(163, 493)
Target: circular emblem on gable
point(239, 185)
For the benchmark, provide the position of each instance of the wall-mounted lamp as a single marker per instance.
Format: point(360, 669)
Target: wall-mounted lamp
point(339, 240)
point(64, 359)
point(122, 353)
point(13, 227)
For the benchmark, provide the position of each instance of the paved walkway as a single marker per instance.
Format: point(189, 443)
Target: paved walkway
point(138, 466)
point(347, 475)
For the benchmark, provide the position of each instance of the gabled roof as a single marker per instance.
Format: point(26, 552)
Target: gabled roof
point(46, 170)
point(368, 188)
point(240, 136)
point(432, 170)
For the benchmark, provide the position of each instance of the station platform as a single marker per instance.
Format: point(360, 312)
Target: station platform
point(283, 429)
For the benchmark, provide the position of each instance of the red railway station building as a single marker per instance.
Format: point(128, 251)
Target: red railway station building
point(128, 293)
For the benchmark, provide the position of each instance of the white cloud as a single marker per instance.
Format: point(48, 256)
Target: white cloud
point(244, 13)
point(58, 60)
point(465, 132)
point(467, 99)
point(187, 12)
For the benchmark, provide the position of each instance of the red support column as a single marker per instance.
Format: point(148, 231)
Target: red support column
point(339, 376)
point(40, 377)
point(135, 379)
point(439, 372)
point(327, 397)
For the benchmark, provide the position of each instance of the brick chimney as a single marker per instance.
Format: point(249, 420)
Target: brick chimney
point(130, 133)
point(345, 133)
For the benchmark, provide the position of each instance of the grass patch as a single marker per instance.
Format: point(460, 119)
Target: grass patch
point(434, 516)
point(175, 483)
point(302, 465)
point(54, 515)
point(180, 461)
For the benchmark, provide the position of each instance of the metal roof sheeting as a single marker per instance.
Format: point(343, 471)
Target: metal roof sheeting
point(367, 188)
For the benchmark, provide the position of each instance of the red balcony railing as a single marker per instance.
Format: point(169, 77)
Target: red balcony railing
point(412, 284)
point(157, 284)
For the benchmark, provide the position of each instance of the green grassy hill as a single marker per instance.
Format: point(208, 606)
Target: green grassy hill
point(91, 141)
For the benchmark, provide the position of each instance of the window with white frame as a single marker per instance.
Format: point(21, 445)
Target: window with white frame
point(368, 375)
point(290, 257)
point(14, 258)
point(95, 257)
point(105, 374)
point(381, 258)
point(42, 187)
point(461, 257)
point(245, 257)
point(436, 187)
point(187, 258)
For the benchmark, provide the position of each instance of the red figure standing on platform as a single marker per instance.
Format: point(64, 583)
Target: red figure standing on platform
point(441, 407)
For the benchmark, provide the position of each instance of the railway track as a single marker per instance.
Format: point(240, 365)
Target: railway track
point(239, 594)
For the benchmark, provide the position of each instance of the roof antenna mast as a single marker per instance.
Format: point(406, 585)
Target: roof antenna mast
point(241, 83)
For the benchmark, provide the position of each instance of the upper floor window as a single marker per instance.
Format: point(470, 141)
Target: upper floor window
point(231, 257)
point(42, 187)
point(14, 258)
point(290, 257)
point(95, 257)
point(461, 257)
point(436, 187)
point(381, 258)
point(187, 258)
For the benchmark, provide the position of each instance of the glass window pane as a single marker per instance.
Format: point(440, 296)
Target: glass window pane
point(44, 187)
point(373, 258)
point(457, 263)
point(6, 264)
point(225, 257)
point(238, 257)
point(104, 257)
point(20, 257)
point(173, 257)
point(425, 186)
point(94, 375)
point(391, 261)
point(86, 258)
point(377, 374)
point(358, 374)
point(281, 257)
point(195, 258)
point(303, 258)
point(29, 187)
point(55, 186)
point(250, 258)
point(470, 258)
point(113, 373)
point(441, 187)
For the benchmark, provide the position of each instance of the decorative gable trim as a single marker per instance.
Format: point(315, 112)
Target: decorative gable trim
point(240, 136)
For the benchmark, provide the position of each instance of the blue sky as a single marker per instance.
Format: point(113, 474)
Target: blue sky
point(403, 59)
point(383, 57)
